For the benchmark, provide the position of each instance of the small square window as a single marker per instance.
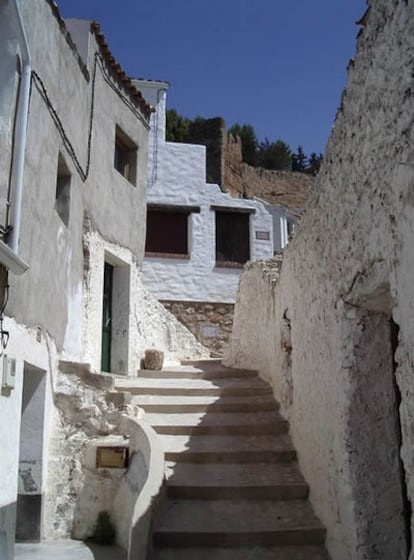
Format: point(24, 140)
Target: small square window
point(232, 238)
point(125, 156)
point(62, 198)
point(167, 233)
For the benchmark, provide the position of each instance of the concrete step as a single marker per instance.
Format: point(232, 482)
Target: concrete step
point(237, 523)
point(194, 387)
point(243, 553)
point(189, 372)
point(228, 449)
point(187, 404)
point(258, 481)
point(218, 423)
point(66, 550)
point(210, 362)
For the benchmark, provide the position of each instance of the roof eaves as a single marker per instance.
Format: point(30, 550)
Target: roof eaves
point(119, 73)
point(68, 37)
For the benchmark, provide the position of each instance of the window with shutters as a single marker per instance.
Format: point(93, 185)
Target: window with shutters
point(167, 233)
point(232, 238)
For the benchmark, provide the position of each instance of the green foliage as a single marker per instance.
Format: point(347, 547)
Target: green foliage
point(299, 161)
point(275, 155)
point(177, 127)
point(104, 530)
point(249, 141)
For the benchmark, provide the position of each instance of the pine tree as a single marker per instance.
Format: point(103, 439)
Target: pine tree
point(299, 161)
point(275, 155)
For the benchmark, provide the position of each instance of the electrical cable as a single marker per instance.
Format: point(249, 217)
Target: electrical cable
point(41, 88)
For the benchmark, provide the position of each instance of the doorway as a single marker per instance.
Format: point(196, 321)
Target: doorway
point(381, 508)
point(107, 318)
point(30, 482)
point(115, 315)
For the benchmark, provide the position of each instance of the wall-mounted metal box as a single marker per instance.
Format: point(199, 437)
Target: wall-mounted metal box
point(112, 457)
point(8, 366)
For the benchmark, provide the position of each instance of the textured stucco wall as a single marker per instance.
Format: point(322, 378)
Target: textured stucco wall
point(8, 80)
point(8, 47)
point(82, 414)
point(53, 250)
point(35, 349)
point(45, 314)
point(177, 176)
point(321, 330)
point(10, 407)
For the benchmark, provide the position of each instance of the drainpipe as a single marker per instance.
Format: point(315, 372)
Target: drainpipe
point(15, 264)
point(154, 173)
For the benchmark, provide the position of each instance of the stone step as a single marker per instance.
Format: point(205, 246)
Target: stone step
point(258, 481)
point(211, 362)
point(197, 373)
point(218, 423)
point(228, 449)
point(243, 553)
point(187, 404)
point(237, 523)
point(194, 387)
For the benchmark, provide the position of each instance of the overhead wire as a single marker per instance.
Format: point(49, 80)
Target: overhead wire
point(41, 88)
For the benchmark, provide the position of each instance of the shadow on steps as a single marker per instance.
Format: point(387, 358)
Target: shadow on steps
point(234, 489)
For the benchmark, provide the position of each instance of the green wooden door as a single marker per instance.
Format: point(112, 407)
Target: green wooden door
point(107, 318)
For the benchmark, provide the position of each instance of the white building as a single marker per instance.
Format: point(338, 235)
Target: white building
point(283, 224)
point(198, 238)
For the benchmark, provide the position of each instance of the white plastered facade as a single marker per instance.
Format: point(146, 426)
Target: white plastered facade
point(177, 177)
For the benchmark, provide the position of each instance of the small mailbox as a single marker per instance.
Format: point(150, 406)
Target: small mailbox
point(112, 457)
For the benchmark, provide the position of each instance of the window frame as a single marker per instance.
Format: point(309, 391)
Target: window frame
point(240, 211)
point(63, 190)
point(185, 211)
point(125, 159)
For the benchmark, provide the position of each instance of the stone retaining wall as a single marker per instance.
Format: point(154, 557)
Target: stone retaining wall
point(211, 323)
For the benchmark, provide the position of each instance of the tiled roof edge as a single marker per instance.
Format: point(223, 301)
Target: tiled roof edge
point(120, 74)
point(68, 37)
point(135, 95)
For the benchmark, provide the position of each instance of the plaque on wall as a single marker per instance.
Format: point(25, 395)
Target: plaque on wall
point(263, 235)
point(209, 331)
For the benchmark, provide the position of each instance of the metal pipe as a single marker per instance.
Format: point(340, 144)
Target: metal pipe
point(19, 147)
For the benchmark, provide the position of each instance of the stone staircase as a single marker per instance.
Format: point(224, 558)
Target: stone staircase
point(234, 490)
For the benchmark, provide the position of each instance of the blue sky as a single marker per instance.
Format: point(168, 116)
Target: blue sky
point(280, 66)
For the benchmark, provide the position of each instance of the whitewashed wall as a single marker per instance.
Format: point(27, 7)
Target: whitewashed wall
point(322, 331)
point(35, 348)
point(281, 216)
point(176, 176)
